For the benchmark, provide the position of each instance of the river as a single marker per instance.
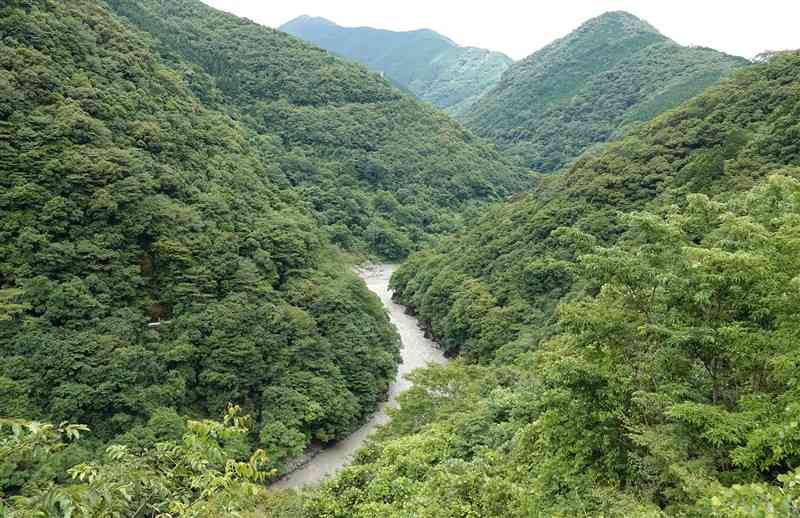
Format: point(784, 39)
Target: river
point(417, 351)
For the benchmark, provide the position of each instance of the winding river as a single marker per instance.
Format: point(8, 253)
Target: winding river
point(417, 351)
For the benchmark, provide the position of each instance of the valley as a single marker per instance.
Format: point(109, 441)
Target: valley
point(582, 295)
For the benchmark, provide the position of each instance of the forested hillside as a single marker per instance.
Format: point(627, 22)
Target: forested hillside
point(628, 334)
point(624, 336)
point(517, 262)
point(125, 201)
point(429, 65)
point(591, 87)
point(381, 171)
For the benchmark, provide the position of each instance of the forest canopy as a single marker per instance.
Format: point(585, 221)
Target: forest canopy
point(154, 266)
point(381, 171)
point(626, 332)
point(514, 264)
point(670, 388)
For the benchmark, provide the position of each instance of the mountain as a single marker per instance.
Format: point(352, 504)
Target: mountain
point(720, 143)
point(168, 204)
point(155, 265)
point(429, 65)
point(626, 333)
point(382, 171)
point(590, 87)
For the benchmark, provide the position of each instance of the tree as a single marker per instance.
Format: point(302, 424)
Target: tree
point(9, 307)
point(192, 478)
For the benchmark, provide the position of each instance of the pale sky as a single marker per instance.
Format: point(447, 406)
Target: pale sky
point(520, 27)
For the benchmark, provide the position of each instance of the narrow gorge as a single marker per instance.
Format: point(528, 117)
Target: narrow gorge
point(417, 352)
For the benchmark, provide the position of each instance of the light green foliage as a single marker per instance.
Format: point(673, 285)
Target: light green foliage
point(590, 87)
point(8, 308)
point(423, 62)
point(757, 500)
point(34, 440)
point(196, 477)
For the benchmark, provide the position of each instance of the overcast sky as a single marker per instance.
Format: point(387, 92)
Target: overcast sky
point(519, 27)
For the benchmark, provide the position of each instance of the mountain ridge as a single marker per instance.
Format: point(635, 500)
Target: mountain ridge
point(304, 20)
point(430, 65)
point(610, 325)
point(131, 198)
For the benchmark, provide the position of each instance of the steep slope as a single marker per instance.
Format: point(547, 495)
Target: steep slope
point(429, 65)
point(666, 382)
point(127, 201)
point(382, 171)
point(588, 87)
point(520, 256)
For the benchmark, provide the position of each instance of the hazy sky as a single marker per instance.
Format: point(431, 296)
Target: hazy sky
point(520, 27)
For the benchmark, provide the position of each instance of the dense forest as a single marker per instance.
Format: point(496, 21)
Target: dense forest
point(183, 194)
point(590, 87)
point(423, 62)
point(627, 334)
point(518, 260)
point(381, 171)
point(125, 201)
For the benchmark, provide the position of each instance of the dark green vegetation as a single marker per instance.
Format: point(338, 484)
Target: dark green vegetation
point(381, 171)
point(125, 200)
point(591, 87)
point(427, 64)
point(628, 334)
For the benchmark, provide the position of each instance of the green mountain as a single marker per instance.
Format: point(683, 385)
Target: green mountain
point(381, 171)
point(627, 334)
point(590, 87)
point(522, 253)
point(427, 64)
point(154, 263)
point(195, 175)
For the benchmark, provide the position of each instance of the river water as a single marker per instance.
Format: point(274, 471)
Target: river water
point(417, 351)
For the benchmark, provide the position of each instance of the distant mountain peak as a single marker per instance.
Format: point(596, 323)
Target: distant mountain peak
point(315, 22)
point(306, 19)
point(422, 61)
point(620, 15)
point(622, 20)
point(433, 33)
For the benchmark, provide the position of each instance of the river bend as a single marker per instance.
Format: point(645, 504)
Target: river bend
point(417, 351)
